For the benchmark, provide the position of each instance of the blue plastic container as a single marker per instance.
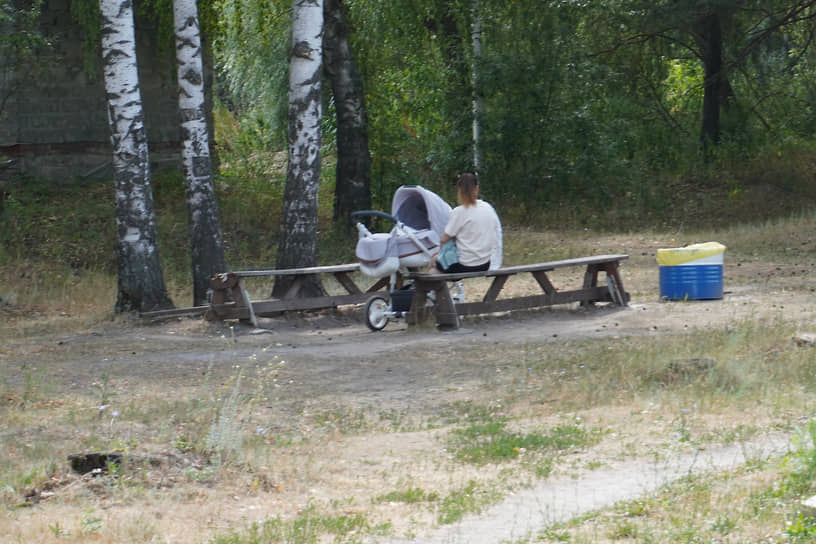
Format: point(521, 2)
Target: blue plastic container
point(691, 282)
point(692, 273)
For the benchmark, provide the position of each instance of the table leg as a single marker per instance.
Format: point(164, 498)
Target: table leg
point(590, 281)
point(444, 309)
point(612, 272)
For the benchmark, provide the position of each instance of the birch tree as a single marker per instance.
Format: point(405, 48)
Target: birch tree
point(298, 238)
point(140, 283)
point(478, 99)
point(207, 248)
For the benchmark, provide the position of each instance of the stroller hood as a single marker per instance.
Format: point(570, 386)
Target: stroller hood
point(420, 208)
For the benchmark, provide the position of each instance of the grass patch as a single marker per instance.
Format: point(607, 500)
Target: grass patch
point(471, 499)
point(306, 528)
point(411, 495)
point(492, 442)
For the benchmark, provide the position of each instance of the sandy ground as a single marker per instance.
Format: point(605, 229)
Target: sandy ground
point(329, 368)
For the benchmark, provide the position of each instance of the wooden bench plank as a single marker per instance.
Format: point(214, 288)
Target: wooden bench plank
point(273, 307)
point(519, 269)
point(330, 269)
point(447, 314)
point(495, 288)
point(595, 294)
point(228, 285)
point(343, 279)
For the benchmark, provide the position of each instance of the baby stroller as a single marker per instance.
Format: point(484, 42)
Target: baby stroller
point(419, 218)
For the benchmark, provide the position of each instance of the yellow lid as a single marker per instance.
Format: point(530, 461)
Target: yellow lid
point(680, 255)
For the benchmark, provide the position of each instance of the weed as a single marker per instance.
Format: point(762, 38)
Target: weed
point(554, 535)
point(469, 500)
point(802, 529)
point(802, 473)
point(624, 529)
point(89, 524)
point(104, 392)
point(58, 531)
point(224, 438)
point(410, 495)
point(724, 524)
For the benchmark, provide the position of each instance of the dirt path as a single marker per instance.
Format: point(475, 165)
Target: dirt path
point(331, 366)
point(559, 499)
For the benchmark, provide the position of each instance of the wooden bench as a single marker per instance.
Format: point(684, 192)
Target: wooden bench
point(229, 285)
point(447, 313)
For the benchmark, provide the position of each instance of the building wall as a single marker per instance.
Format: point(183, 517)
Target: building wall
point(56, 127)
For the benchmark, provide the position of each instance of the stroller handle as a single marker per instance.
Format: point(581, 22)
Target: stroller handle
point(374, 213)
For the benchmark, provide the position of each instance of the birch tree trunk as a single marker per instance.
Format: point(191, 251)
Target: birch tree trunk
point(353, 179)
point(478, 100)
point(298, 237)
point(207, 248)
point(141, 283)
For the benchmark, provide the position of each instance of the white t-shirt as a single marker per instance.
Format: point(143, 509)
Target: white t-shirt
point(474, 228)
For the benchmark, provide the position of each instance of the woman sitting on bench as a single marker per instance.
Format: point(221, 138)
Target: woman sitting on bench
point(473, 227)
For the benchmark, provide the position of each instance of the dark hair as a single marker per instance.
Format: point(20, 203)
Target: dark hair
point(466, 184)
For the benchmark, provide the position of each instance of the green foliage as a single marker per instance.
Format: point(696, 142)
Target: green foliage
point(153, 17)
point(802, 529)
point(592, 115)
point(86, 14)
point(252, 54)
point(802, 470)
point(71, 223)
point(21, 44)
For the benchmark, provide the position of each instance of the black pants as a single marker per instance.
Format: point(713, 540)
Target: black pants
point(459, 268)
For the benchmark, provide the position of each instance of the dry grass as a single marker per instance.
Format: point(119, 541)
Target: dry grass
point(250, 434)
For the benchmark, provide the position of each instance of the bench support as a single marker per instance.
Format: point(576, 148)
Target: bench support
point(447, 313)
point(230, 299)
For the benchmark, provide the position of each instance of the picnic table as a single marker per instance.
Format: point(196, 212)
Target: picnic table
point(447, 313)
point(230, 285)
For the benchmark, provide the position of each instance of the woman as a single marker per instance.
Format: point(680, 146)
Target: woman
point(473, 225)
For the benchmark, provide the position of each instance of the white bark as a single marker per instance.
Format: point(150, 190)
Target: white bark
point(122, 86)
point(206, 241)
point(478, 102)
point(305, 107)
point(298, 242)
point(196, 151)
point(141, 285)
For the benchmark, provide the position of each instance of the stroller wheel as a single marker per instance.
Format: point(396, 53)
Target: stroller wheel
point(376, 313)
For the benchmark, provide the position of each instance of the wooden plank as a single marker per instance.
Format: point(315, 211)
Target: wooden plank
point(344, 280)
point(272, 307)
point(594, 294)
point(590, 280)
point(379, 285)
point(544, 281)
point(510, 270)
point(612, 271)
point(444, 309)
point(294, 288)
point(175, 312)
point(495, 288)
point(331, 269)
point(552, 265)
